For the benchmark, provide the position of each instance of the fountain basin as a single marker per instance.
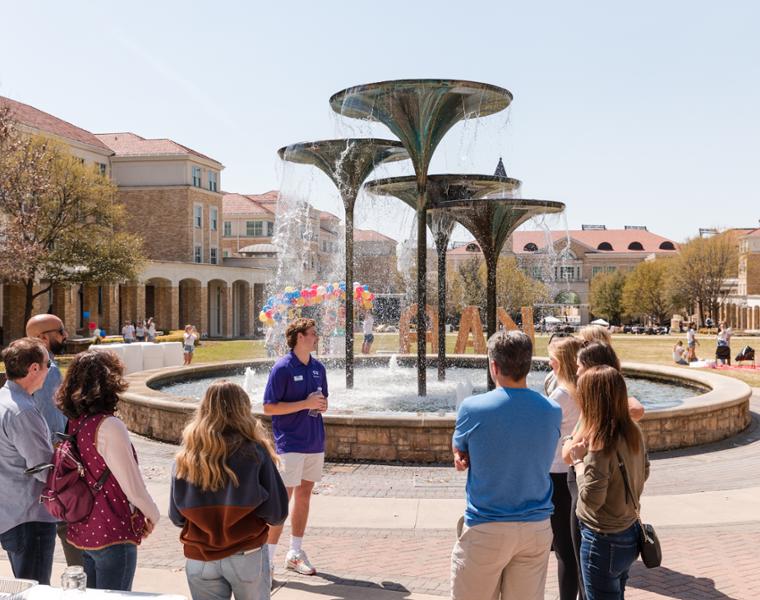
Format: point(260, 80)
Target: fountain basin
point(720, 412)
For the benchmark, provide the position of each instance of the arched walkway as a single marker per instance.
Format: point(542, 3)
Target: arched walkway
point(219, 308)
point(162, 303)
point(191, 304)
point(242, 314)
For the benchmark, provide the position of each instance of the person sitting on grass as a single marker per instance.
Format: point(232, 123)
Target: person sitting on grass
point(678, 352)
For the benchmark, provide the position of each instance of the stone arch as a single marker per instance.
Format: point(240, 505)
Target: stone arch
point(162, 303)
point(242, 309)
point(219, 308)
point(192, 304)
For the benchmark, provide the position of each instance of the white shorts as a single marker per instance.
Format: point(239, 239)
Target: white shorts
point(295, 466)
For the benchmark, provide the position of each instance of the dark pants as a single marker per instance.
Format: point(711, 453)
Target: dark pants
point(575, 528)
point(72, 553)
point(111, 568)
point(567, 566)
point(605, 561)
point(30, 549)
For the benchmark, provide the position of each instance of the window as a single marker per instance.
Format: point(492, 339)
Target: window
point(212, 256)
point(567, 273)
point(102, 168)
point(635, 246)
point(604, 246)
point(196, 177)
point(227, 228)
point(258, 228)
point(667, 246)
point(198, 254)
point(530, 247)
point(250, 227)
point(611, 269)
point(596, 270)
point(212, 181)
point(269, 228)
point(198, 216)
point(225, 253)
point(536, 272)
point(213, 217)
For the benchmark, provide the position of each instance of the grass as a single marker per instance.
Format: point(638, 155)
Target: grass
point(634, 348)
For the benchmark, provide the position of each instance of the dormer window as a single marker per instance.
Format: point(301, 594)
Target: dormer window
point(604, 246)
point(472, 248)
point(635, 246)
point(530, 247)
point(667, 246)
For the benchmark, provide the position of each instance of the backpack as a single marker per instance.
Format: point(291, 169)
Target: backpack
point(67, 495)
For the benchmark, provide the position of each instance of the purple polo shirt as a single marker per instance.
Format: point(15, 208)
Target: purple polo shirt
point(292, 381)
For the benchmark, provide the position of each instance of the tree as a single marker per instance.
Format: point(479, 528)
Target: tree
point(701, 271)
point(646, 294)
point(59, 218)
point(514, 288)
point(606, 296)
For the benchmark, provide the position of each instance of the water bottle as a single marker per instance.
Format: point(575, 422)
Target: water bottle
point(73, 580)
point(313, 412)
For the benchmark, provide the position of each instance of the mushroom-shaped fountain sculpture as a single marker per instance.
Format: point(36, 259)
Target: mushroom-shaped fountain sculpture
point(347, 162)
point(420, 112)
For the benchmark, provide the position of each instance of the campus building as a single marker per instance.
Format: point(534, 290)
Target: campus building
point(173, 201)
point(741, 308)
point(567, 261)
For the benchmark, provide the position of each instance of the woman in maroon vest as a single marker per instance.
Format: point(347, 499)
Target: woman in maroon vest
point(123, 512)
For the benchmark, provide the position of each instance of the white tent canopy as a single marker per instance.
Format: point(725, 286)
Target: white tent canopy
point(601, 322)
point(551, 319)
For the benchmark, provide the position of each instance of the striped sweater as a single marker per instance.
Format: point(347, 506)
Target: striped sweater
point(233, 519)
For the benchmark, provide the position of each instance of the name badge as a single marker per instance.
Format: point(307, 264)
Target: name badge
point(297, 377)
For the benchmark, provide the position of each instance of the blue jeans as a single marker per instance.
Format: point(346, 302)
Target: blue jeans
point(111, 568)
point(30, 549)
point(605, 560)
point(245, 575)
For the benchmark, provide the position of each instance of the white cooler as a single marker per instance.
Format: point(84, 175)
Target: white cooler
point(133, 358)
point(174, 354)
point(153, 356)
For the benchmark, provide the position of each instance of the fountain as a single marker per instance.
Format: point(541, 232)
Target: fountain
point(442, 189)
point(420, 112)
point(347, 162)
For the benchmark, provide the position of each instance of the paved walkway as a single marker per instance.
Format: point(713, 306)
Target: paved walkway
point(386, 531)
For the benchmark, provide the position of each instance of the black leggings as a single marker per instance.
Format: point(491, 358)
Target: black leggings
point(567, 564)
point(575, 528)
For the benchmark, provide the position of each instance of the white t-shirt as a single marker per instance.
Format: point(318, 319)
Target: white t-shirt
point(691, 336)
point(128, 332)
point(678, 353)
point(369, 322)
point(570, 415)
point(189, 339)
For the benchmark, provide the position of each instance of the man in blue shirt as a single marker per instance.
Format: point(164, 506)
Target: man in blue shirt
point(49, 330)
point(507, 438)
point(27, 530)
point(296, 397)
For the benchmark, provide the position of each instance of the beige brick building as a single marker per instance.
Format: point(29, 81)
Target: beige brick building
point(741, 309)
point(173, 201)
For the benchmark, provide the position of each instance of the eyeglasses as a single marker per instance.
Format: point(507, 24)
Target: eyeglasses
point(59, 330)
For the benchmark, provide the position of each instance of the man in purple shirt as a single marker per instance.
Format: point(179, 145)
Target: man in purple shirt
point(296, 397)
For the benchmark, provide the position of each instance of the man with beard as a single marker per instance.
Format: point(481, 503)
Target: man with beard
point(50, 330)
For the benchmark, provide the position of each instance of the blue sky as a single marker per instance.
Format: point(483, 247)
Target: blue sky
point(639, 114)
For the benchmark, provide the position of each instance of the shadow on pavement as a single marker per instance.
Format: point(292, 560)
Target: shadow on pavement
point(673, 584)
point(334, 586)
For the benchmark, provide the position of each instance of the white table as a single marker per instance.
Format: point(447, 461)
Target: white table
point(45, 592)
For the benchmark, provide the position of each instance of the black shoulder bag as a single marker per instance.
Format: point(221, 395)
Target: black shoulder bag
point(649, 545)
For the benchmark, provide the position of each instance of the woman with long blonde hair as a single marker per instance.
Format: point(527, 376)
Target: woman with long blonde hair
point(226, 491)
point(562, 359)
point(611, 452)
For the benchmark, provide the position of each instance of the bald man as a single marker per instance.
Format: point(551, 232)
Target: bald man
point(50, 330)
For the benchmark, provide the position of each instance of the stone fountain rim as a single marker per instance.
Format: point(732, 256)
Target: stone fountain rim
point(722, 392)
point(436, 176)
point(336, 141)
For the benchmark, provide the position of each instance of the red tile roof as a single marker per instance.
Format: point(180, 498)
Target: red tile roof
point(755, 233)
point(241, 204)
point(323, 214)
point(46, 123)
point(619, 239)
point(269, 197)
point(369, 235)
point(130, 144)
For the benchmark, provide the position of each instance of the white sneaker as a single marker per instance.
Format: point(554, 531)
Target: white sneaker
point(299, 562)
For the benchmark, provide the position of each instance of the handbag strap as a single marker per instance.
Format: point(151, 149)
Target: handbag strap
point(102, 479)
point(628, 492)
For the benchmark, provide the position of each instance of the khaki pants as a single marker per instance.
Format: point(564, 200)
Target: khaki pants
point(506, 560)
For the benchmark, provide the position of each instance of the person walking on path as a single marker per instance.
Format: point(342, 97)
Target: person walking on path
point(188, 342)
point(150, 330)
point(612, 448)
point(563, 354)
point(691, 343)
point(225, 492)
point(367, 329)
point(296, 396)
point(50, 331)
point(507, 438)
point(27, 530)
point(123, 512)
